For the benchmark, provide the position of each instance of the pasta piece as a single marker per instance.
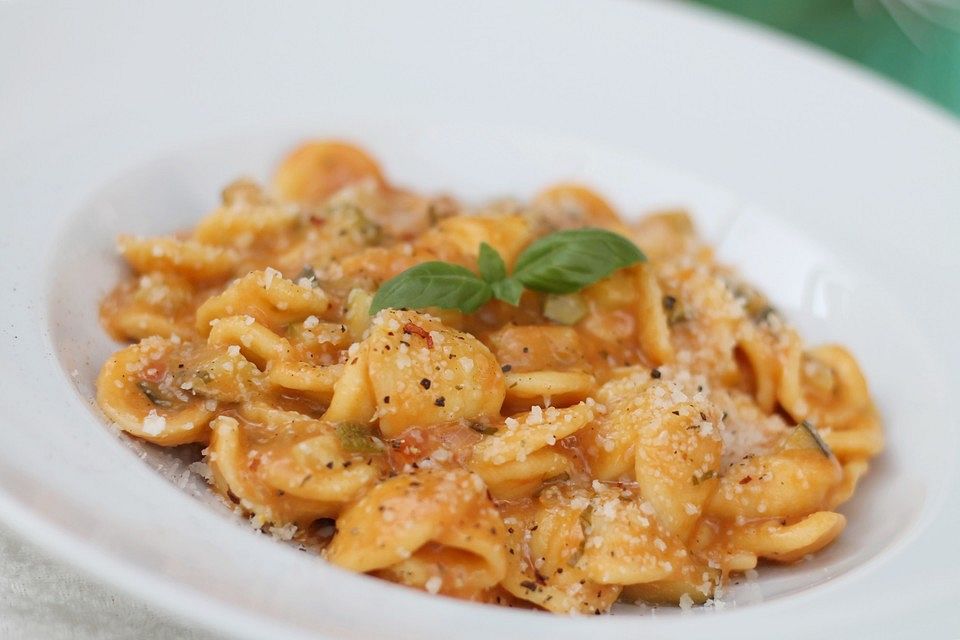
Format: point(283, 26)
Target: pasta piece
point(853, 471)
point(706, 317)
point(525, 453)
point(267, 297)
point(710, 542)
point(790, 483)
point(537, 348)
point(762, 367)
point(318, 382)
point(289, 468)
point(316, 170)
point(414, 370)
point(353, 393)
point(340, 231)
point(531, 432)
point(861, 437)
point(670, 591)
point(358, 313)
point(787, 543)
point(747, 429)
point(316, 342)
point(515, 479)
point(256, 342)
point(609, 442)
point(247, 221)
point(137, 390)
point(654, 331)
point(665, 235)
point(612, 319)
point(406, 517)
point(137, 325)
point(155, 304)
point(677, 464)
point(763, 344)
point(561, 388)
point(509, 235)
point(641, 406)
point(187, 258)
point(575, 205)
point(824, 385)
point(544, 550)
point(625, 545)
point(222, 374)
point(396, 212)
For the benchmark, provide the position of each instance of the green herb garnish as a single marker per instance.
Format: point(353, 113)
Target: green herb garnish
point(357, 438)
point(559, 263)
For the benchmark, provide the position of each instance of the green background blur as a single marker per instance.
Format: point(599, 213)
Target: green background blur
point(913, 42)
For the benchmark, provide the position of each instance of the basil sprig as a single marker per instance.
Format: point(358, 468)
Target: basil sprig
point(562, 262)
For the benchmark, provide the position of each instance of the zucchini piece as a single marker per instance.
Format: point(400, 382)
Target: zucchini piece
point(358, 438)
point(566, 309)
point(806, 436)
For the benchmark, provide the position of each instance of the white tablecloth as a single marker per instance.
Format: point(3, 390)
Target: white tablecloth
point(43, 599)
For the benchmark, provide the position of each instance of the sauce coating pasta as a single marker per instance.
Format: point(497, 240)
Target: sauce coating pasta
point(639, 440)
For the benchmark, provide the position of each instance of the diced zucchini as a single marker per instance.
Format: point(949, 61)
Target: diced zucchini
point(358, 438)
point(805, 436)
point(565, 309)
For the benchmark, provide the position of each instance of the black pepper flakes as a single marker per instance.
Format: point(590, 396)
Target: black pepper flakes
point(440, 401)
point(655, 374)
point(425, 383)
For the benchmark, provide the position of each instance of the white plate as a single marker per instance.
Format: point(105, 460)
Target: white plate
point(836, 193)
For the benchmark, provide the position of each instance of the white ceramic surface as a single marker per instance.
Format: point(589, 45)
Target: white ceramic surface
point(835, 193)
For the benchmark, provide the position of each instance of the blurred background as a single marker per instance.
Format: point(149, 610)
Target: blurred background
point(913, 42)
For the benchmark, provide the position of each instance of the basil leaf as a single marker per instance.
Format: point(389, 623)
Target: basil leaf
point(567, 261)
point(433, 284)
point(491, 265)
point(508, 290)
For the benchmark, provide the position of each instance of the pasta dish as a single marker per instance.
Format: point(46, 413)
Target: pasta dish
point(536, 404)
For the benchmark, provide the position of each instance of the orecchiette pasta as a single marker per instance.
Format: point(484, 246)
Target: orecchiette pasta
point(187, 258)
point(638, 440)
point(448, 512)
point(286, 468)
